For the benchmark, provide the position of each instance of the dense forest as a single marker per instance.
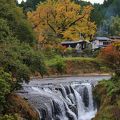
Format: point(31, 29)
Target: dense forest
point(30, 34)
point(105, 15)
point(19, 58)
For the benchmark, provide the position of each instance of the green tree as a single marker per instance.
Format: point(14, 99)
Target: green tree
point(5, 33)
point(18, 58)
point(5, 87)
point(111, 26)
point(97, 14)
point(114, 26)
point(16, 21)
point(30, 5)
point(21, 60)
point(104, 12)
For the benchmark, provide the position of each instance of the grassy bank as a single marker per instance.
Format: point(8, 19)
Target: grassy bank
point(75, 66)
point(18, 108)
point(107, 95)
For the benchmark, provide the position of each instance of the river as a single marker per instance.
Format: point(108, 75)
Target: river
point(63, 98)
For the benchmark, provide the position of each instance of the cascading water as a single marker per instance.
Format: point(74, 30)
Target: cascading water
point(63, 101)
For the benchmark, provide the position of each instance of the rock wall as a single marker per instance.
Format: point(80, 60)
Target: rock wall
point(108, 104)
point(75, 67)
point(16, 104)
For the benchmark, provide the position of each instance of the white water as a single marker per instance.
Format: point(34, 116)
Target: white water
point(88, 115)
point(67, 98)
point(63, 101)
point(89, 112)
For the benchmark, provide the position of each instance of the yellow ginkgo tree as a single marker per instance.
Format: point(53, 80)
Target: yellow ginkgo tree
point(57, 20)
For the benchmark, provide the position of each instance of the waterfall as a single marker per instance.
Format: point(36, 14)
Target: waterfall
point(69, 101)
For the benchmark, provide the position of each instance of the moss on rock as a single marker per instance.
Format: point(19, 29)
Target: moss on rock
point(75, 66)
point(18, 105)
point(108, 102)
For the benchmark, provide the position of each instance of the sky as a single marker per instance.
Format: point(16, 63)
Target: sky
point(95, 1)
point(92, 1)
point(19, 1)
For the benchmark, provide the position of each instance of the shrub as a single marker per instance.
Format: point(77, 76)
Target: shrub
point(10, 117)
point(32, 59)
point(87, 52)
point(49, 51)
point(69, 51)
point(96, 52)
point(58, 64)
point(5, 32)
point(5, 87)
point(111, 57)
point(21, 60)
point(60, 50)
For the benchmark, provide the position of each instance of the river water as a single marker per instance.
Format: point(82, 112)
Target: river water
point(64, 98)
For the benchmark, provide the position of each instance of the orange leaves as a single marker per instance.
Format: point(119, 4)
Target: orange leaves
point(111, 56)
point(111, 50)
point(62, 19)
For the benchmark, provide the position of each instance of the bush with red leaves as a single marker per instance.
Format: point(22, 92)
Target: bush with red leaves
point(110, 55)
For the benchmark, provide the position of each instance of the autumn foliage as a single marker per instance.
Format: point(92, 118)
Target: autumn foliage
point(111, 57)
point(55, 20)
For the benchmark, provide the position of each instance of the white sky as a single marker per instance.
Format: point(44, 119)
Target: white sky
point(95, 1)
point(19, 1)
point(92, 1)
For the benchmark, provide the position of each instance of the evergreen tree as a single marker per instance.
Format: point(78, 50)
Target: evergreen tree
point(16, 20)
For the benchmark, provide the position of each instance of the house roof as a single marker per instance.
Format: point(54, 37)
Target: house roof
point(102, 38)
point(73, 42)
point(115, 37)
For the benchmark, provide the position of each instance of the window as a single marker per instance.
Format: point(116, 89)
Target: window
point(106, 43)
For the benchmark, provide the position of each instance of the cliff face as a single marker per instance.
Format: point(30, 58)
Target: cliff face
point(75, 66)
point(107, 96)
point(17, 105)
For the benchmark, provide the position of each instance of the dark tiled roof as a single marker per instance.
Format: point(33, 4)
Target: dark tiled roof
point(72, 42)
point(102, 38)
point(115, 37)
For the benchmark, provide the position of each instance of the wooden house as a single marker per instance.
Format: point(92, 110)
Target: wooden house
point(100, 42)
point(78, 45)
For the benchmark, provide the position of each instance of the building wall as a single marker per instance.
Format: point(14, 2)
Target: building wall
point(95, 44)
point(99, 44)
